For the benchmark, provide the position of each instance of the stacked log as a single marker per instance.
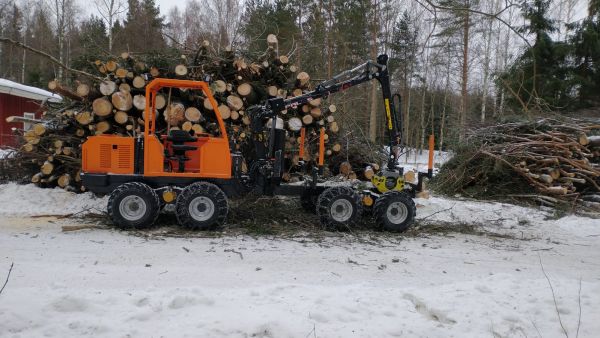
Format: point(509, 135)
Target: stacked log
point(116, 106)
point(548, 160)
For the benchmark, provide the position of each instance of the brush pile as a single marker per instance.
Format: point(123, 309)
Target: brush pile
point(112, 101)
point(550, 161)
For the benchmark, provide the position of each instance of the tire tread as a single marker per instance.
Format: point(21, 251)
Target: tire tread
point(326, 198)
point(205, 189)
point(380, 212)
point(141, 189)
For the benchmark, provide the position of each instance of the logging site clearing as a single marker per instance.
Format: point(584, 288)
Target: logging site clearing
point(470, 269)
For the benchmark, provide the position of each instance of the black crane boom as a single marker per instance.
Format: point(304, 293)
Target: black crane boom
point(363, 73)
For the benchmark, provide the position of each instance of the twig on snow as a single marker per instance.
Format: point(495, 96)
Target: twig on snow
point(313, 331)
point(7, 276)
point(553, 297)
point(536, 328)
point(437, 212)
point(237, 252)
point(579, 303)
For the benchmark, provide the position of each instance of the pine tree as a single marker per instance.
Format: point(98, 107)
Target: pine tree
point(142, 28)
point(10, 58)
point(91, 40)
point(263, 17)
point(541, 71)
point(403, 61)
point(41, 37)
point(586, 52)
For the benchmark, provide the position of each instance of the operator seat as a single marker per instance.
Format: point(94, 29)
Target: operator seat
point(177, 139)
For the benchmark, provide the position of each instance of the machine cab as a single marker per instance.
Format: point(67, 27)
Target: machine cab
point(164, 150)
point(174, 152)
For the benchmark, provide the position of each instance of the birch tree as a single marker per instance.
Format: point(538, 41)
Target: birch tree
point(110, 10)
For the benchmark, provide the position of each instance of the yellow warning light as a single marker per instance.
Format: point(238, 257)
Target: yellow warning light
point(367, 200)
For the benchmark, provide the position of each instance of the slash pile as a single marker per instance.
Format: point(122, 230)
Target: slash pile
point(548, 160)
point(112, 101)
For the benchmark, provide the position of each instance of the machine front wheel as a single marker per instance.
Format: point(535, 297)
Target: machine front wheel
point(339, 207)
point(394, 211)
point(201, 206)
point(133, 205)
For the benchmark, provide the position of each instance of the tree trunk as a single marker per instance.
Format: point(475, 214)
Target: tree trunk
point(465, 77)
point(373, 114)
point(486, 69)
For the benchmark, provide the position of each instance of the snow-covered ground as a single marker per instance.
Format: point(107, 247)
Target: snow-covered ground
point(421, 158)
point(103, 282)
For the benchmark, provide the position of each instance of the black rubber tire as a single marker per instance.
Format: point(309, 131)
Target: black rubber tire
point(325, 203)
point(308, 201)
point(141, 190)
point(210, 191)
point(384, 202)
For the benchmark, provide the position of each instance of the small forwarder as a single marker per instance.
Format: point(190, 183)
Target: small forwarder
point(198, 173)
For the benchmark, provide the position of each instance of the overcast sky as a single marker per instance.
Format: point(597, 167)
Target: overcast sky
point(579, 12)
point(165, 5)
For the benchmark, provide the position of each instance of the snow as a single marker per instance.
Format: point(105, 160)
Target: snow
point(107, 283)
point(413, 159)
point(34, 93)
point(5, 153)
point(30, 200)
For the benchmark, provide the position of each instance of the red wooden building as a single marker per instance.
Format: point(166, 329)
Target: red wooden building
point(19, 100)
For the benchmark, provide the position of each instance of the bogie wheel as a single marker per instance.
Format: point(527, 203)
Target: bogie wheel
point(339, 207)
point(201, 206)
point(394, 211)
point(133, 205)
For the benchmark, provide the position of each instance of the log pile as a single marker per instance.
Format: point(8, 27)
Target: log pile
point(548, 160)
point(49, 153)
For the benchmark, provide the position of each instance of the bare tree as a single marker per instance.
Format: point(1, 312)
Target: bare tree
point(27, 11)
point(110, 10)
point(175, 28)
point(59, 9)
point(224, 18)
point(487, 59)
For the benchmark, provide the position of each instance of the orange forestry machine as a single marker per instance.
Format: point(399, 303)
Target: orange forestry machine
point(199, 172)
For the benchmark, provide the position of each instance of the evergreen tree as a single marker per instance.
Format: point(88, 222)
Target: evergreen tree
point(404, 47)
point(40, 35)
point(91, 41)
point(352, 32)
point(11, 56)
point(586, 53)
point(264, 17)
point(142, 28)
point(539, 77)
point(403, 62)
point(315, 44)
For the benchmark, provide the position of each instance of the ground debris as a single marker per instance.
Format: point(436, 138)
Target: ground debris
point(548, 162)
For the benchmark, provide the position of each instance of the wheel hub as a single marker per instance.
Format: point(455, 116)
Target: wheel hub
point(341, 210)
point(132, 208)
point(397, 212)
point(201, 208)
